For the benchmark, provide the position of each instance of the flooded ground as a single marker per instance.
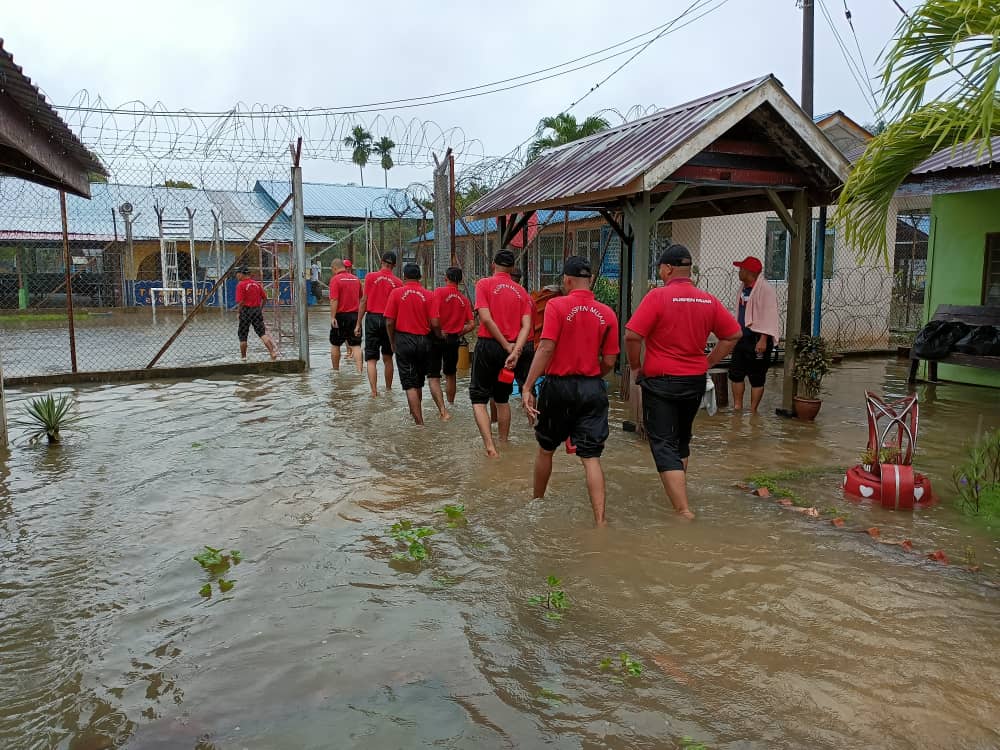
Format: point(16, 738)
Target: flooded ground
point(757, 627)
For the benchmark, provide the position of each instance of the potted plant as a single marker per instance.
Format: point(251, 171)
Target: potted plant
point(812, 363)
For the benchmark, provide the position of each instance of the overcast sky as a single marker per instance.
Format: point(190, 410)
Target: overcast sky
point(210, 55)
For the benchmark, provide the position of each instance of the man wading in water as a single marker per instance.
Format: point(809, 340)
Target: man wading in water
point(505, 324)
point(412, 317)
point(345, 298)
point(579, 346)
point(250, 297)
point(456, 321)
point(378, 285)
point(674, 322)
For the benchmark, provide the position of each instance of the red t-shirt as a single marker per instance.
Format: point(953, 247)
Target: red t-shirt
point(507, 302)
point(454, 307)
point(412, 307)
point(345, 290)
point(378, 285)
point(676, 320)
point(583, 329)
point(250, 293)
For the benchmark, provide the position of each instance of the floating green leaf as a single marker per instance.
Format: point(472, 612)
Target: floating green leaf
point(206, 590)
point(236, 556)
point(225, 585)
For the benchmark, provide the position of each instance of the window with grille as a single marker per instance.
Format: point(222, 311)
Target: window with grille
point(588, 245)
point(778, 243)
point(550, 259)
point(991, 277)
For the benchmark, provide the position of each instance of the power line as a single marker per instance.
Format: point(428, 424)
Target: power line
point(852, 67)
point(861, 55)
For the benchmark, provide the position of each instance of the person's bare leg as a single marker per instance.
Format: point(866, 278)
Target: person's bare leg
point(543, 470)
point(243, 349)
point(335, 357)
point(493, 411)
point(373, 377)
point(738, 390)
point(503, 422)
point(438, 396)
point(595, 488)
point(482, 416)
point(413, 398)
point(387, 361)
point(451, 387)
point(675, 485)
point(756, 394)
point(356, 354)
point(268, 342)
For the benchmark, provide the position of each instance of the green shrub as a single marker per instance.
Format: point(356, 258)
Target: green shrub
point(606, 291)
point(977, 479)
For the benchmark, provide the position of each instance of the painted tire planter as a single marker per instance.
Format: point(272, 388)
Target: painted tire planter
point(895, 487)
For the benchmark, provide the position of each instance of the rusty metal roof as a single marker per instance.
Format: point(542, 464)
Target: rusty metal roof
point(27, 97)
point(963, 157)
point(637, 156)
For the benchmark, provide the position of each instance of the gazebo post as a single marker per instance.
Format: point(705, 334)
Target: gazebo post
point(801, 215)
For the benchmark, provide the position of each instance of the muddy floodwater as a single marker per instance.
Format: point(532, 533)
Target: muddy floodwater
point(757, 627)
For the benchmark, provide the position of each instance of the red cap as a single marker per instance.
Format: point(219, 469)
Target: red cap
point(750, 263)
point(348, 264)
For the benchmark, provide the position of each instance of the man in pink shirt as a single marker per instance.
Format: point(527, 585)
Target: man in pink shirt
point(673, 323)
point(757, 313)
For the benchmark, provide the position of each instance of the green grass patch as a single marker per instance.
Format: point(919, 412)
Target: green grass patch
point(36, 317)
point(775, 481)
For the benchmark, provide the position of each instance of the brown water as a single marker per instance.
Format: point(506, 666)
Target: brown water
point(758, 628)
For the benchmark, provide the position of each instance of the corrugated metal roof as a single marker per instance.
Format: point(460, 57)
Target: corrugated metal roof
point(619, 160)
point(476, 226)
point(26, 95)
point(28, 211)
point(963, 157)
point(328, 200)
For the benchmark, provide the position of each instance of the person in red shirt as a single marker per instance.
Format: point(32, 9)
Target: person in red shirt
point(505, 322)
point(250, 298)
point(456, 321)
point(674, 323)
point(345, 299)
point(371, 313)
point(579, 346)
point(412, 317)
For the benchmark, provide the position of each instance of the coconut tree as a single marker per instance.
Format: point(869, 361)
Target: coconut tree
point(949, 45)
point(360, 141)
point(384, 149)
point(562, 129)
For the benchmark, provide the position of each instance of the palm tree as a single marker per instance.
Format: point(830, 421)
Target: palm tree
point(941, 41)
point(563, 129)
point(360, 140)
point(384, 149)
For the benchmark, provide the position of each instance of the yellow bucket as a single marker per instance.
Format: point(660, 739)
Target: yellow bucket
point(463, 357)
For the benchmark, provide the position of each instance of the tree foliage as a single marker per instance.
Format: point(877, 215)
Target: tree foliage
point(952, 43)
point(360, 141)
point(383, 148)
point(178, 184)
point(562, 129)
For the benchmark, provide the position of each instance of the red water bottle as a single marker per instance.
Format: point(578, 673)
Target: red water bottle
point(570, 448)
point(506, 376)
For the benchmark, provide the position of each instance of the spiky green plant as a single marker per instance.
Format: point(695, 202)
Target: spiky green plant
point(47, 415)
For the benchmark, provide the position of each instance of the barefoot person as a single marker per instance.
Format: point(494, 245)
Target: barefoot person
point(579, 346)
point(456, 321)
point(345, 299)
point(757, 313)
point(250, 298)
point(411, 318)
point(505, 324)
point(674, 322)
point(378, 285)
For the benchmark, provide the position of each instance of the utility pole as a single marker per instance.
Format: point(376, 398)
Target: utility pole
point(806, 102)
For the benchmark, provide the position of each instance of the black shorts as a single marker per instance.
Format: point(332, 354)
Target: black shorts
point(573, 406)
point(444, 355)
point(412, 358)
point(487, 362)
point(523, 366)
point(744, 362)
point(344, 332)
point(250, 316)
point(669, 406)
point(376, 337)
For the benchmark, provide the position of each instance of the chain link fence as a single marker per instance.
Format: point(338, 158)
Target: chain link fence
point(140, 275)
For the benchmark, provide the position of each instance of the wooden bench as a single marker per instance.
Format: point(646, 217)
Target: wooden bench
point(973, 315)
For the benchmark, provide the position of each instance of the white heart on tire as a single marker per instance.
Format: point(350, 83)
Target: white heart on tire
point(865, 490)
point(918, 492)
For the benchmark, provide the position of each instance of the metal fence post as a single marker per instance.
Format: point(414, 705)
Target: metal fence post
point(299, 235)
point(3, 411)
point(68, 260)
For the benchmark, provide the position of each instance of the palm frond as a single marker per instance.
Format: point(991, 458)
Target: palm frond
point(47, 415)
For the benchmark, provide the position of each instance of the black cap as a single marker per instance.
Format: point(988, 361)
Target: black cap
point(504, 258)
point(454, 274)
point(243, 270)
point(411, 271)
point(675, 255)
point(389, 257)
point(577, 266)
